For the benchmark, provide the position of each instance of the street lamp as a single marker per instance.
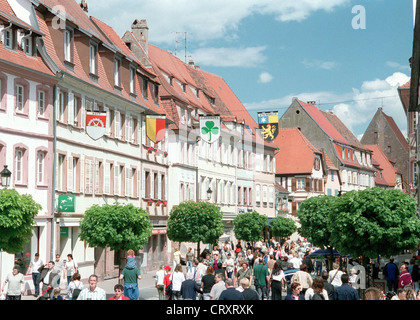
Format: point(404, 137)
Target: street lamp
point(5, 177)
point(209, 192)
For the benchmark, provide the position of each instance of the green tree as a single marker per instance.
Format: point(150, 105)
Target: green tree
point(282, 227)
point(248, 226)
point(195, 222)
point(375, 222)
point(314, 217)
point(119, 227)
point(17, 213)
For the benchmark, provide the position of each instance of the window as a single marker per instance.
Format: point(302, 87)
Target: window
point(40, 164)
point(301, 184)
point(19, 98)
point(144, 88)
point(132, 80)
point(18, 166)
point(93, 51)
point(332, 175)
point(41, 103)
point(271, 196)
point(8, 39)
point(117, 66)
point(343, 153)
point(61, 106)
point(27, 45)
point(258, 195)
point(60, 172)
point(68, 46)
point(155, 93)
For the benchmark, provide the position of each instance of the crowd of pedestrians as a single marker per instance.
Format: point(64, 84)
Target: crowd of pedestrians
point(264, 270)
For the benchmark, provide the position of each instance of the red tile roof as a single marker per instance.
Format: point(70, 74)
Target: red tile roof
point(323, 122)
point(297, 157)
point(389, 172)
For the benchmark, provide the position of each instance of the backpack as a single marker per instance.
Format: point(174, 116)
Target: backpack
point(76, 292)
point(317, 296)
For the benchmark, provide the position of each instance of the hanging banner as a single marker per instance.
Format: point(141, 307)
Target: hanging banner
point(155, 128)
point(268, 122)
point(210, 128)
point(95, 124)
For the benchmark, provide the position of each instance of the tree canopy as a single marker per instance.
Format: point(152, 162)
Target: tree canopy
point(366, 223)
point(282, 227)
point(119, 227)
point(249, 225)
point(194, 222)
point(375, 222)
point(17, 213)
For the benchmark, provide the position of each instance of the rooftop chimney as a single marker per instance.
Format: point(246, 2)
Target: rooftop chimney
point(312, 103)
point(141, 33)
point(84, 6)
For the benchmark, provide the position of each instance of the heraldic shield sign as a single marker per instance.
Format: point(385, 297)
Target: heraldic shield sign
point(155, 128)
point(268, 122)
point(210, 128)
point(95, 124)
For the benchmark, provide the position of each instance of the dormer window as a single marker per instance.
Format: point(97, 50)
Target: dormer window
point(8, 39)
point(27, 46)
point(68, 36)
point(197, 93)
point(132, 80)
point(184, 88)
point(117, 67)
point(93, 58)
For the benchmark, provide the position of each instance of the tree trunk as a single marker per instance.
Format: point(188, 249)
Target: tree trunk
point(198, 249)
point(331, 258)
point(123, 261)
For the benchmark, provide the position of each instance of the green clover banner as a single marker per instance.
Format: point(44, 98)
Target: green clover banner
point(210, 128)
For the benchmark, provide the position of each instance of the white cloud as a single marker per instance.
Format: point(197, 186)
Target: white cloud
point(319, 64)
point(398, 66)
point(202, 20)
point(229, 57)
point(265, 77)
point(355, 108)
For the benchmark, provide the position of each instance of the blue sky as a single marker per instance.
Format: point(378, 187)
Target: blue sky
point(269, 51)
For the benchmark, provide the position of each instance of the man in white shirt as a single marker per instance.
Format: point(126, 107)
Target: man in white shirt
point(35, 264)
point(92, 292)
point(160, 275)
point(218, 287)
point(295, 261)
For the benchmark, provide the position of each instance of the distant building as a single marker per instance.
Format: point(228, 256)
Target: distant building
point(387, 174)
point(384, 132)
point(326, 131)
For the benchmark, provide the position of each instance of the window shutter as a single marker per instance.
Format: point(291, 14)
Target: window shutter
point(57, 104)
point(143, 184)
point(69, 173)
point(143, 130)
point(82, 174)
point(160, 187)
point(116, 180)
point(293, 184)
point(83, 111)
point(108, 126)
point(117, 128)
point(107, 179)
point(166, 187)
point(152, 185)
point(97, 174)
point(70, 109)
point(308, 184)
point(127, 125)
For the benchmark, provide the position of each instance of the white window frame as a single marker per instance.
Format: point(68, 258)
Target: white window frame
point(93, 55)
point(19, 166)
point(20, 94)
point(40, 163)
point(41, 103)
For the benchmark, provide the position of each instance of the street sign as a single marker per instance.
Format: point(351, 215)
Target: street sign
point(66, 203)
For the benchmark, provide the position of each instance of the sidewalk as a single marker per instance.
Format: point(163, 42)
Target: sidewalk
point(146, 285)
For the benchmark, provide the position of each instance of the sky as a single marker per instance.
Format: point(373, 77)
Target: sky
point(349, 56)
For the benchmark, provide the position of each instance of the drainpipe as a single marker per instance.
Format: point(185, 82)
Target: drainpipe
point(60, 77)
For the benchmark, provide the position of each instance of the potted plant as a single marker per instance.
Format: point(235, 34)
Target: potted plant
point(163, 203)
point(165, 154)
point(158, 203)
point(150, 149)
point(149, 203)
